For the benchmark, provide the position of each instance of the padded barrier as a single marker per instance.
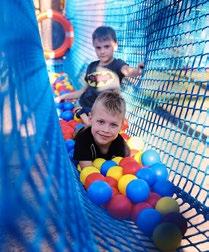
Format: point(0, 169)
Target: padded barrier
point(43, 205)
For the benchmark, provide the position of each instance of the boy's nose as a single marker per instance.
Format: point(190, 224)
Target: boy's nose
point(106, 128)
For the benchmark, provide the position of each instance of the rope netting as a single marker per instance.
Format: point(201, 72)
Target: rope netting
point(43, 205)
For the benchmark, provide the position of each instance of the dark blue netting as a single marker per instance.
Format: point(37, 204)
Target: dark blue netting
point(43, 205)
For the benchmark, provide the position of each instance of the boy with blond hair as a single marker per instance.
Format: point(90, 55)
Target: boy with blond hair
point(102, 138)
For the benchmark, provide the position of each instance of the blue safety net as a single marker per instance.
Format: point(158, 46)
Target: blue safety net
point(43, 205)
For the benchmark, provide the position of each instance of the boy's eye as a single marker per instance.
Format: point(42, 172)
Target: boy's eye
point(107, 46)
point(114, 125)
point(100, 121)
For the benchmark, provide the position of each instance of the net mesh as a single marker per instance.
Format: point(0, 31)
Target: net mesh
point(43, 205)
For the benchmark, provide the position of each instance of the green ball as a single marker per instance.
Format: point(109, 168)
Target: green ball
point(167, 237)
point(167, 205)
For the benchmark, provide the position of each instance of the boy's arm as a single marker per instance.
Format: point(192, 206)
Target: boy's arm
point(85, 163)
point(72, 95)
point(131, 71)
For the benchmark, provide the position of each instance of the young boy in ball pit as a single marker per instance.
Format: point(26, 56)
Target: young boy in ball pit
point(102, 138)
point(105, 73)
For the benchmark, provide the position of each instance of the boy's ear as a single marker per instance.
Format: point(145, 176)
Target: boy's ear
point(90, 116)
point(115, 46)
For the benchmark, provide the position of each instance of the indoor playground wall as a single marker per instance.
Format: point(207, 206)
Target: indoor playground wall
point(43, 206)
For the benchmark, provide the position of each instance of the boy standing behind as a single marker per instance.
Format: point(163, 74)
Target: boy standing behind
point(102, 138)
point(105, 73)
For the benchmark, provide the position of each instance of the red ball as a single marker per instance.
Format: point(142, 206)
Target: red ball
point(153, 199)
point(125, 136)
point(125, 125)
point(93, 177)
point(130, 167)
point(126, 160)
point(111, 181)
point(137, 208)
point(72, 123)
point(119, 207)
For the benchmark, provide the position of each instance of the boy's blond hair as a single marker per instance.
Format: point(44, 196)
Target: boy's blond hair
point(112, 101)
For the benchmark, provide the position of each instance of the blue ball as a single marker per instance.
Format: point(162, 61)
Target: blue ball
point(70, 143)
point(106, 165)
point(67, 106)
point(147, 220)
point(146, 174)
point(66, 115)
point(150, 157)
point(137, 190)
point(164, 188)
point(99, 192)
point(160, 171)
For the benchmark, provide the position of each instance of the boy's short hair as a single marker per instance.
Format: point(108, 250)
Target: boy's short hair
point(104, 33)
point(112, 101)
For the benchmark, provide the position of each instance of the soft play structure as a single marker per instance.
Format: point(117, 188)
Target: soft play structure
point(43, 205)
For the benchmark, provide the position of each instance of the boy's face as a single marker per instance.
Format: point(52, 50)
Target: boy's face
point(104, 50)
point(105, 125)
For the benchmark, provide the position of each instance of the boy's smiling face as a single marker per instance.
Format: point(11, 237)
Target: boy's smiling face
point(105, 125)
point(105, 50)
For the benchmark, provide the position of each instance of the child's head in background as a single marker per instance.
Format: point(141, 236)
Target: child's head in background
point(105, 43)
point(107, 116)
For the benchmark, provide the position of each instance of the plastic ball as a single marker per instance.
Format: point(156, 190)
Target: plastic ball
point(66, 115)
point(106, 165)
point(167, 237)
point(148, 219)
point(130, 167)
point(70, 143)
point(177, 219)
point(167, 205)
point(135, 143)
point(164, 188)
point(137, 190)
point(146, 174)
point(99, 192)
point(150, 157)
point(119, 207)
point(112, 182)
point(67, 106)
point(117, 159)
point(137, 208)
point(137, 157)
point(124, 125)
point(98, 162)
point(79, 126)
point(123, 182)
point(153, 199)
point(86, 171)
point(115, 172)
point(126, 160)
point(160, 171)
point(93, 177)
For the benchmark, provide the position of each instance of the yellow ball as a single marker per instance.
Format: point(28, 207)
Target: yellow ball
point(98, 163)
point(135, 143)
point(86, 171)
point(167, 205)
point(123, 182)
point(167, 237)
point(137, 157)
point(76, 118)
point(117, 159)
point(115, 172)
point(78, 167)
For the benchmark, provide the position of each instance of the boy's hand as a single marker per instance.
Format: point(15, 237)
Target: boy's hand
point(140, 68)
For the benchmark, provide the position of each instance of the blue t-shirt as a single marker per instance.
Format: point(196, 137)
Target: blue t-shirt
point(101, 78)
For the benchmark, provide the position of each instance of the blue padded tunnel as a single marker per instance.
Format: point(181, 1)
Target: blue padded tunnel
point(43, 205)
